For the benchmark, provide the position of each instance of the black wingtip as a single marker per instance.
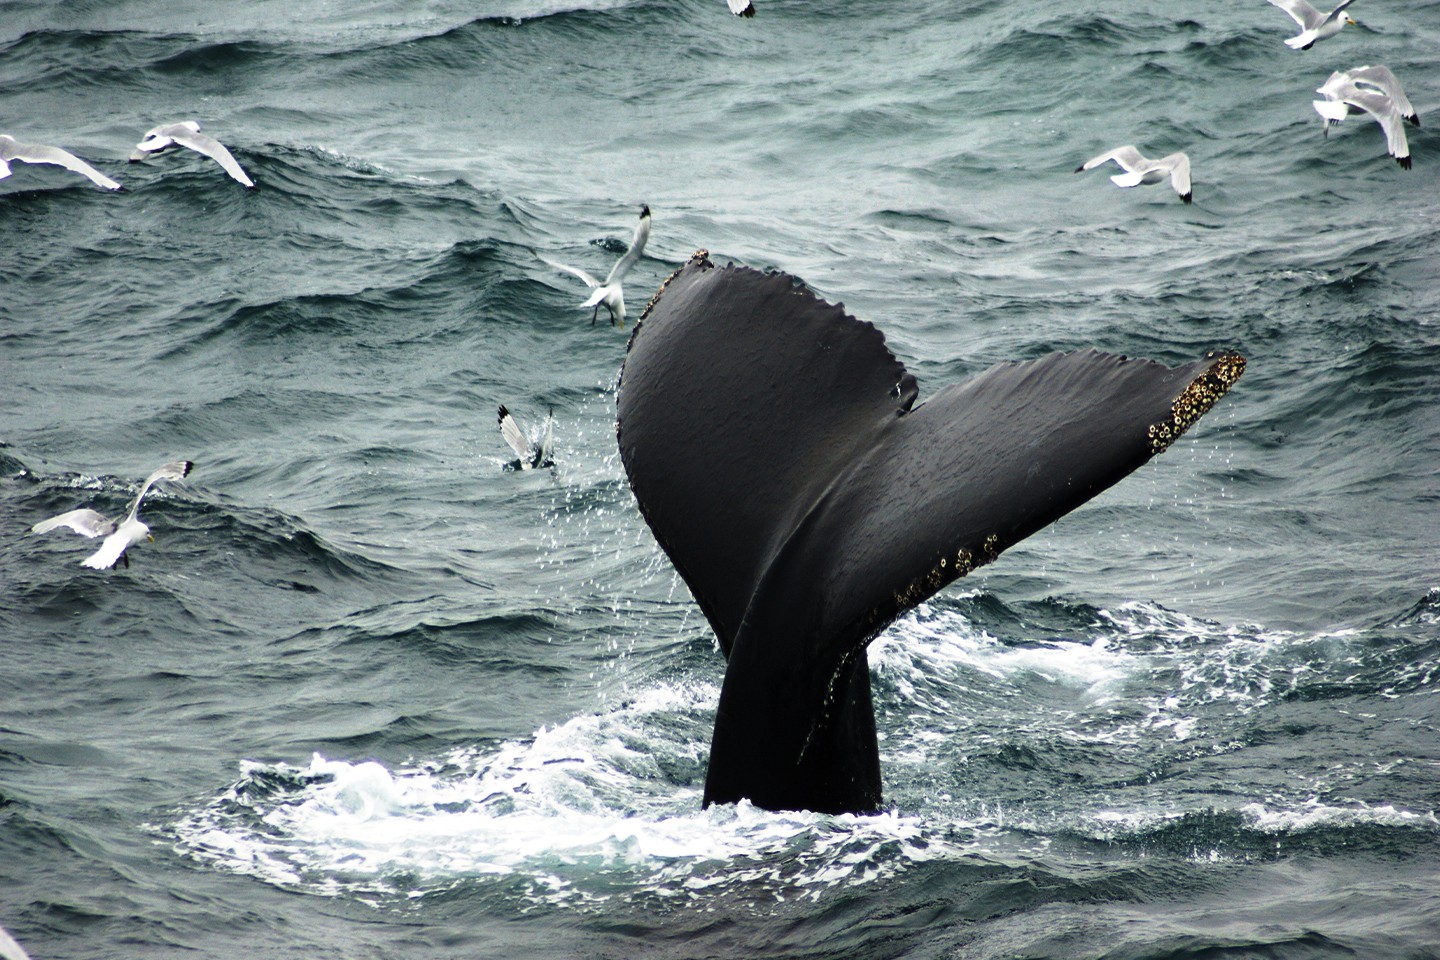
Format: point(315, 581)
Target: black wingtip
point(1414, 118)
point(1404, 161)
point(1187, 197)
point(749, 11)
point(644, 210)
point(502, 415)
point(1080, 168)
point(185, 467)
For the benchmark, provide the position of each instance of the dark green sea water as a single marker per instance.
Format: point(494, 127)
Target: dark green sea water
point(372, 695)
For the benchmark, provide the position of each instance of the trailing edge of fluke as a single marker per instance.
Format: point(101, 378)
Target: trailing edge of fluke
point(776, 450)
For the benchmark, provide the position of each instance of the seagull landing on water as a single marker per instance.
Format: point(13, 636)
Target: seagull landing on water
point(1314, 25)
point(741, 8)
point(120, 534)
point(1139, 169)
point(12, 149)
point(187, 134)
point(1372, 90)
point(610, 294)
point(531, 453)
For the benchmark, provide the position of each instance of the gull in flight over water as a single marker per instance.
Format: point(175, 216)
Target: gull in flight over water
point(12, 149)
point(1139, 169)
point(121, 533)
point(187, 134)
point(1314, 25)
point(741, 8)
point(1381, 79)
point(1377, 93)
point(531, 453)
point(610, 294)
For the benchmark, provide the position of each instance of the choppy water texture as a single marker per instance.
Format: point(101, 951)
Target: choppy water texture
point(369, 694)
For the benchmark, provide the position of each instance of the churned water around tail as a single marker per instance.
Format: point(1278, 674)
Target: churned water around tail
point(369, 694)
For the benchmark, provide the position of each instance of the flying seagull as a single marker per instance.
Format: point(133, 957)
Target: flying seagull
point(1381, 79)
point(610, 294)
point(1344, 96)
point(1314, 25)
point(12, 149)
point(531, 453)
point(741, 8)
point(1139, 169)
point(120, 533)
point(187, 134)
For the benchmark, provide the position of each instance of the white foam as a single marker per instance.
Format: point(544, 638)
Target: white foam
point(580, 813)
point(609, 805)
point(1314, 815)
point(932, 646)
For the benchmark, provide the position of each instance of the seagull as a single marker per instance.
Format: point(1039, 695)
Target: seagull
point(741, 8)
point(1383, 80)
point(1314, 25)
point(610, 294)
point(1344, 96)
point(12, 149)
point(1140, 170)
point(530, 453)
point(187, 134)
point(120, 534)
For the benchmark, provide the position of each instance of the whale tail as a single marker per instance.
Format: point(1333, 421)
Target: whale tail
point(775, 448)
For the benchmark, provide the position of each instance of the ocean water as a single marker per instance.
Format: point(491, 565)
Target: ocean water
point(371, 694)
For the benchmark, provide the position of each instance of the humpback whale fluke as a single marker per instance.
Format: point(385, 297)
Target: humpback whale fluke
point(776, 451)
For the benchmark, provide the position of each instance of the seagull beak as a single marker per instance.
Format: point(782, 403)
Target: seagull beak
point(150, 537)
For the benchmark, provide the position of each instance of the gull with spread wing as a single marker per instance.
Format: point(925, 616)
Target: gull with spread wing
point(1381, 79)
point(121, 533)
point(1344, 96)
point(1314, 25)
point(610, 294)
point(12, 149)
point(1140, 169)
point(187, 134)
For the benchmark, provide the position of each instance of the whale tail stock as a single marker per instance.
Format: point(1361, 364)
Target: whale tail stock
point(775, 449)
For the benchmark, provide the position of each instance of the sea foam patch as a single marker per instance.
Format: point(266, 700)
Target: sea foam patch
point(580, 814)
